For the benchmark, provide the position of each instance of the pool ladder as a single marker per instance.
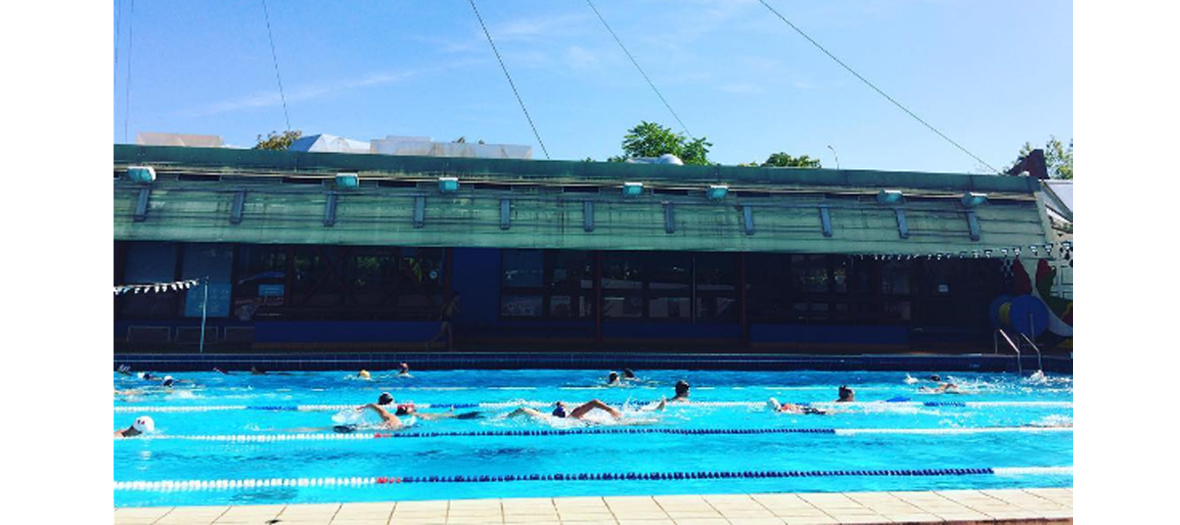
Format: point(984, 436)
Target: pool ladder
point(1015, 346)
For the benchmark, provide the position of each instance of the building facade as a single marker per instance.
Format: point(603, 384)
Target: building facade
point(331, 251)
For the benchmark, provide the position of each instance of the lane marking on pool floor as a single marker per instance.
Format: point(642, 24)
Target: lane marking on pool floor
point(362, 481)
point(361, 436)
point(513, 404)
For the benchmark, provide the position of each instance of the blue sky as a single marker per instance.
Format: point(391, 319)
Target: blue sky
point(990, 74)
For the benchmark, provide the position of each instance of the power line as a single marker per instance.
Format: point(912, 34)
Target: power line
point(118, 34)
point(641, 72)
point(275, 58)
point(127, 86)
point(875, 88)
point(509, 77)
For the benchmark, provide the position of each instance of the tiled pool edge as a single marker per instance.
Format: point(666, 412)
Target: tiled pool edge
point(611, 360)
point(992, 506)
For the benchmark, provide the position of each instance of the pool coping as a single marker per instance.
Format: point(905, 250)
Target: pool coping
point(178, 362)
point(960, 507)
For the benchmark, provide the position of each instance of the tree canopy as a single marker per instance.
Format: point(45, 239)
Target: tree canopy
point(278, 141)
point(649, 139)
point(1058, 157)
point(785, 160)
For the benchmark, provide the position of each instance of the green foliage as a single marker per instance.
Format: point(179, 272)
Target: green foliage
point(784, 160)
point(649, 139)
point(278, 141)
point(1058, 157)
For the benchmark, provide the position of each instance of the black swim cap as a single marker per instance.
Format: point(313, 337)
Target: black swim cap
point(385, 398)
point(559, 411)
point(681, 387)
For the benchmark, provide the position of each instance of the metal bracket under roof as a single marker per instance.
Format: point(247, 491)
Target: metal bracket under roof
point(330, 210)
point(235, 212)
point(141, 205)
point(903, 227)
point(973, 225)
point(748, 219)
point(505, 214)
point(669, 218)
point(588, 216)
point(825, 220)
point(419, 211)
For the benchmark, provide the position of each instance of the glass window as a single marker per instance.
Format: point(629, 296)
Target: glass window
point(840, 274)
point(147, 263)
point(897, 311)
point(809, 273)
point(521, 306)
point(522, 268)
point(214, 261)
point(939, 275)
point(622, 271)
point(570, 269)
point(261, 281)
point(716, 272)
point(895, 277)
point(668, 308)
point(717, 308)
point(617, 307)
point(668, 270)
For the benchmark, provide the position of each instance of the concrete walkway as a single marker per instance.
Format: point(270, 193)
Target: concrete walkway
point(1025, 506)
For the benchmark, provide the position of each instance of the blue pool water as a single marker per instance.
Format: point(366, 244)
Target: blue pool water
point(263, 436)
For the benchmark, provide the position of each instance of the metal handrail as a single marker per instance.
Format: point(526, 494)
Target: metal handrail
point(1040, 366)
point(1019, 365)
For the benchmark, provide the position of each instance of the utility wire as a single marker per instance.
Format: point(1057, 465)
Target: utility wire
point(118, 36)
point(275, 58)
point(875, 88)
point(641, 72)
point(509, 77)
point(127, 85)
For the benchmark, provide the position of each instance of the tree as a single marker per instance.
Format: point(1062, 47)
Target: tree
point(785, 160)
point(277, 141)
point(649, 139)
point(1058, 157)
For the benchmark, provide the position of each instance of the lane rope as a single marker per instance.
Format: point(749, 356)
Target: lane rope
point(364, 481)
point(513, 404)
point(361, 436)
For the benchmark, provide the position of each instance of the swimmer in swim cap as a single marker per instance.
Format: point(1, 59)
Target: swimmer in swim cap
point(847, 395)
point(628, 374)
point(404, 371)
point(408, 409)
point(792, 408)
point(560, 411)
point(612, 379)
point(167, 382)
point(681, 392)
point(363, 374)
point(142, 425)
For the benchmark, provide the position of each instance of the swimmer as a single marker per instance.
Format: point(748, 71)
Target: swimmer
point(942, 388)
point(909, 380)
point(935, 378)
point(613, 379)
point(847, 395)
point(142, 425)
point(408, 409)
point(629, 375)
point(124, 369)
point(388, 420)
point(167, 382)
point(404, 371)
point(147, 376)
point(560, 411)
point(363, 374)
point(220, 371)
point(791, 408)
point(681, 392)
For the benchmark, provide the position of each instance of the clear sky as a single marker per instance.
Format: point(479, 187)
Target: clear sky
point(990, 74)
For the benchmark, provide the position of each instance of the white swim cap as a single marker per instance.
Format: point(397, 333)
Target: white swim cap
point(144, 425)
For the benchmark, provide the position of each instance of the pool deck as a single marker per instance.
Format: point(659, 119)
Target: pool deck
point(1024, 506)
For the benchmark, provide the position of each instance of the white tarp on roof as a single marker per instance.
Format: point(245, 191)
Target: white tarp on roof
point(324, 143)
point(179, 139)
point(423, 146)
point(1063, 189)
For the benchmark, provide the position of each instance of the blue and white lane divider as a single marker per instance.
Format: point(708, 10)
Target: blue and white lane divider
point(361, 436)
point(514, 404)
point(353, 482)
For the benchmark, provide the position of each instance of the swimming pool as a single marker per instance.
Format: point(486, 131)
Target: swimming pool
point(242, 439)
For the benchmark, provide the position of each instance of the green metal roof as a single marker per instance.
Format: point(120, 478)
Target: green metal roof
point(240, 160)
